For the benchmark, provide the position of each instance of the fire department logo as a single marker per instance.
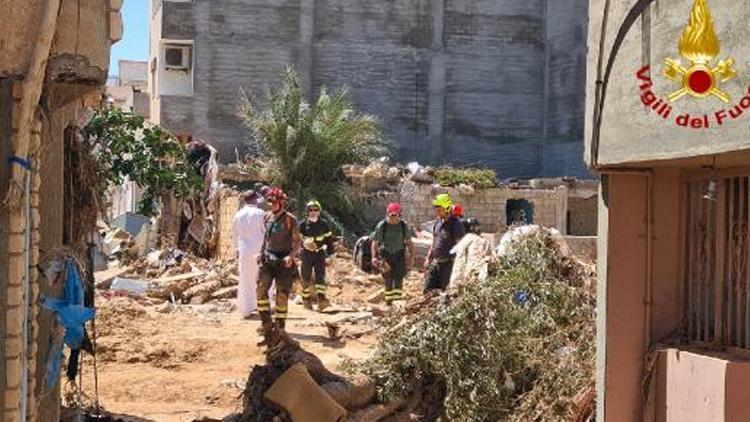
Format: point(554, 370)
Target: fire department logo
point(700, 46)
point(702, 75)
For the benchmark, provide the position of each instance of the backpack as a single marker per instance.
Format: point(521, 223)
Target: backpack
point(363, 254)
point(385, 229)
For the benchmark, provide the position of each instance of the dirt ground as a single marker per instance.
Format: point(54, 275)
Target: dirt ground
point(165, 362)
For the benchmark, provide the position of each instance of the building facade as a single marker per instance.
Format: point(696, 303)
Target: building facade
point(55, 57)
point(668, 131)
point(490, 82)
point(130, 90)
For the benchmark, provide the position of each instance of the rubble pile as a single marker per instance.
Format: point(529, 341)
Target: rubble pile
point(518, 345)
point(172, 275)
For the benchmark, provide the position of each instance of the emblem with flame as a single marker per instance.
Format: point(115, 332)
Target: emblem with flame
point(700, 45)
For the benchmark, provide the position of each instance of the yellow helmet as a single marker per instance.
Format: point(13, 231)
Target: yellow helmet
point(313, 204)
point(443, 200)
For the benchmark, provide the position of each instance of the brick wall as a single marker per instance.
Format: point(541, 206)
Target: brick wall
point(14, 298)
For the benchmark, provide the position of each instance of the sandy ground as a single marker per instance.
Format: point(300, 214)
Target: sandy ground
point(167, 363)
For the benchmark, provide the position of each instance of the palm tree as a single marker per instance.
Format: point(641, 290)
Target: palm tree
point(307, 144)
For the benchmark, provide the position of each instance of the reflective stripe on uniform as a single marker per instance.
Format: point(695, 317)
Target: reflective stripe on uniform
point(263, 305)
point(323, 236)
point(320, 288)
point(320, 238)
point(394, 294)
point(306, 293)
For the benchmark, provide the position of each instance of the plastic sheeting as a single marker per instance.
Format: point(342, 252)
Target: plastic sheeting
point(71, 315)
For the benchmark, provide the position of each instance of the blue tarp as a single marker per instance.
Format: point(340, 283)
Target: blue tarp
point(71, 314)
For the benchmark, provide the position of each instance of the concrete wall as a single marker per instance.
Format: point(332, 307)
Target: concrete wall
point(565, 87)
point(134, 73)
point(621, 290)
point(488, 205)
point(459, 81)
point(632, 132)
point(582, 216)
point(642, 293)
point(697, 386)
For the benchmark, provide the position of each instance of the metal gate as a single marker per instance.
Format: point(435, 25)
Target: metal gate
point(717, 301)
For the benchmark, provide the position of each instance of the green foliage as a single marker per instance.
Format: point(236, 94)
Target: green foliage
point(478, 178)
point(307, 144)
point(125, 146)
point(519, 346)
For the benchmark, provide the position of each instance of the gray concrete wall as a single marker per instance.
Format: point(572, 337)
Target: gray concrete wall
point(453, 81)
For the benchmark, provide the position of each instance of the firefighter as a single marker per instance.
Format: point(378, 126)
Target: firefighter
point(280, 245)
point(390, 241)
point(317, 246)
point(446, 232)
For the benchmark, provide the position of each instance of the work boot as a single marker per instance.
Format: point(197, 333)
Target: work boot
point(266, 328)
point(323, 304)
point(307, 304)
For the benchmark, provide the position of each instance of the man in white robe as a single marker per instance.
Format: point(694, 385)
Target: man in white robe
point(249, 232)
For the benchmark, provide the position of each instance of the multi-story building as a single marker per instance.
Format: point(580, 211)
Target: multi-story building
point(130, 89)
point(468, 82)
point(55, 55)
point(668, 131)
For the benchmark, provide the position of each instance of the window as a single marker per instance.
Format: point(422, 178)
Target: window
point(177, 57)
point(519, 211)
point(716, 271)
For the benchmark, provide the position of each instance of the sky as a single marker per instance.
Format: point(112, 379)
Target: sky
point(134, 42)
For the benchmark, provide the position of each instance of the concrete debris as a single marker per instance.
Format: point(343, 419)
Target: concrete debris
point(145, 240)
point(164, 308)
point(516, 234)
point(225, 293)
point(466, 189)
point(137, 287)
point(116, 241)
point(472, 262)
point(131, 223)
point(420, 174)
point(377, 297)
point(376, 169)
point(103, 279)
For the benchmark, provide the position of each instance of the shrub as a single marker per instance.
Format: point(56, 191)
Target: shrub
point(478, 178)
point(519, 346)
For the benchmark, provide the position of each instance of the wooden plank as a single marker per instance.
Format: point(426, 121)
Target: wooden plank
point(180, 277)
point(110, 274)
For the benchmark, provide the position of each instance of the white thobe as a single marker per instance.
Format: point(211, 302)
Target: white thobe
point(248, 239)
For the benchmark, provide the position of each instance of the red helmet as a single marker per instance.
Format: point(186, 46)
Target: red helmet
point(458, 210)
point(276, 195)
point(394, 208)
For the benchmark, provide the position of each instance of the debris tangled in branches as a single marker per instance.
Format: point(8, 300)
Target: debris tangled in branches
point(518, 346)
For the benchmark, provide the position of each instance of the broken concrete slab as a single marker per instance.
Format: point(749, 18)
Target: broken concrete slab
point(129, 285)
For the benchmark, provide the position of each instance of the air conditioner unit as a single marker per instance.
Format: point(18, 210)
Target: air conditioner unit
point(177, 57)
